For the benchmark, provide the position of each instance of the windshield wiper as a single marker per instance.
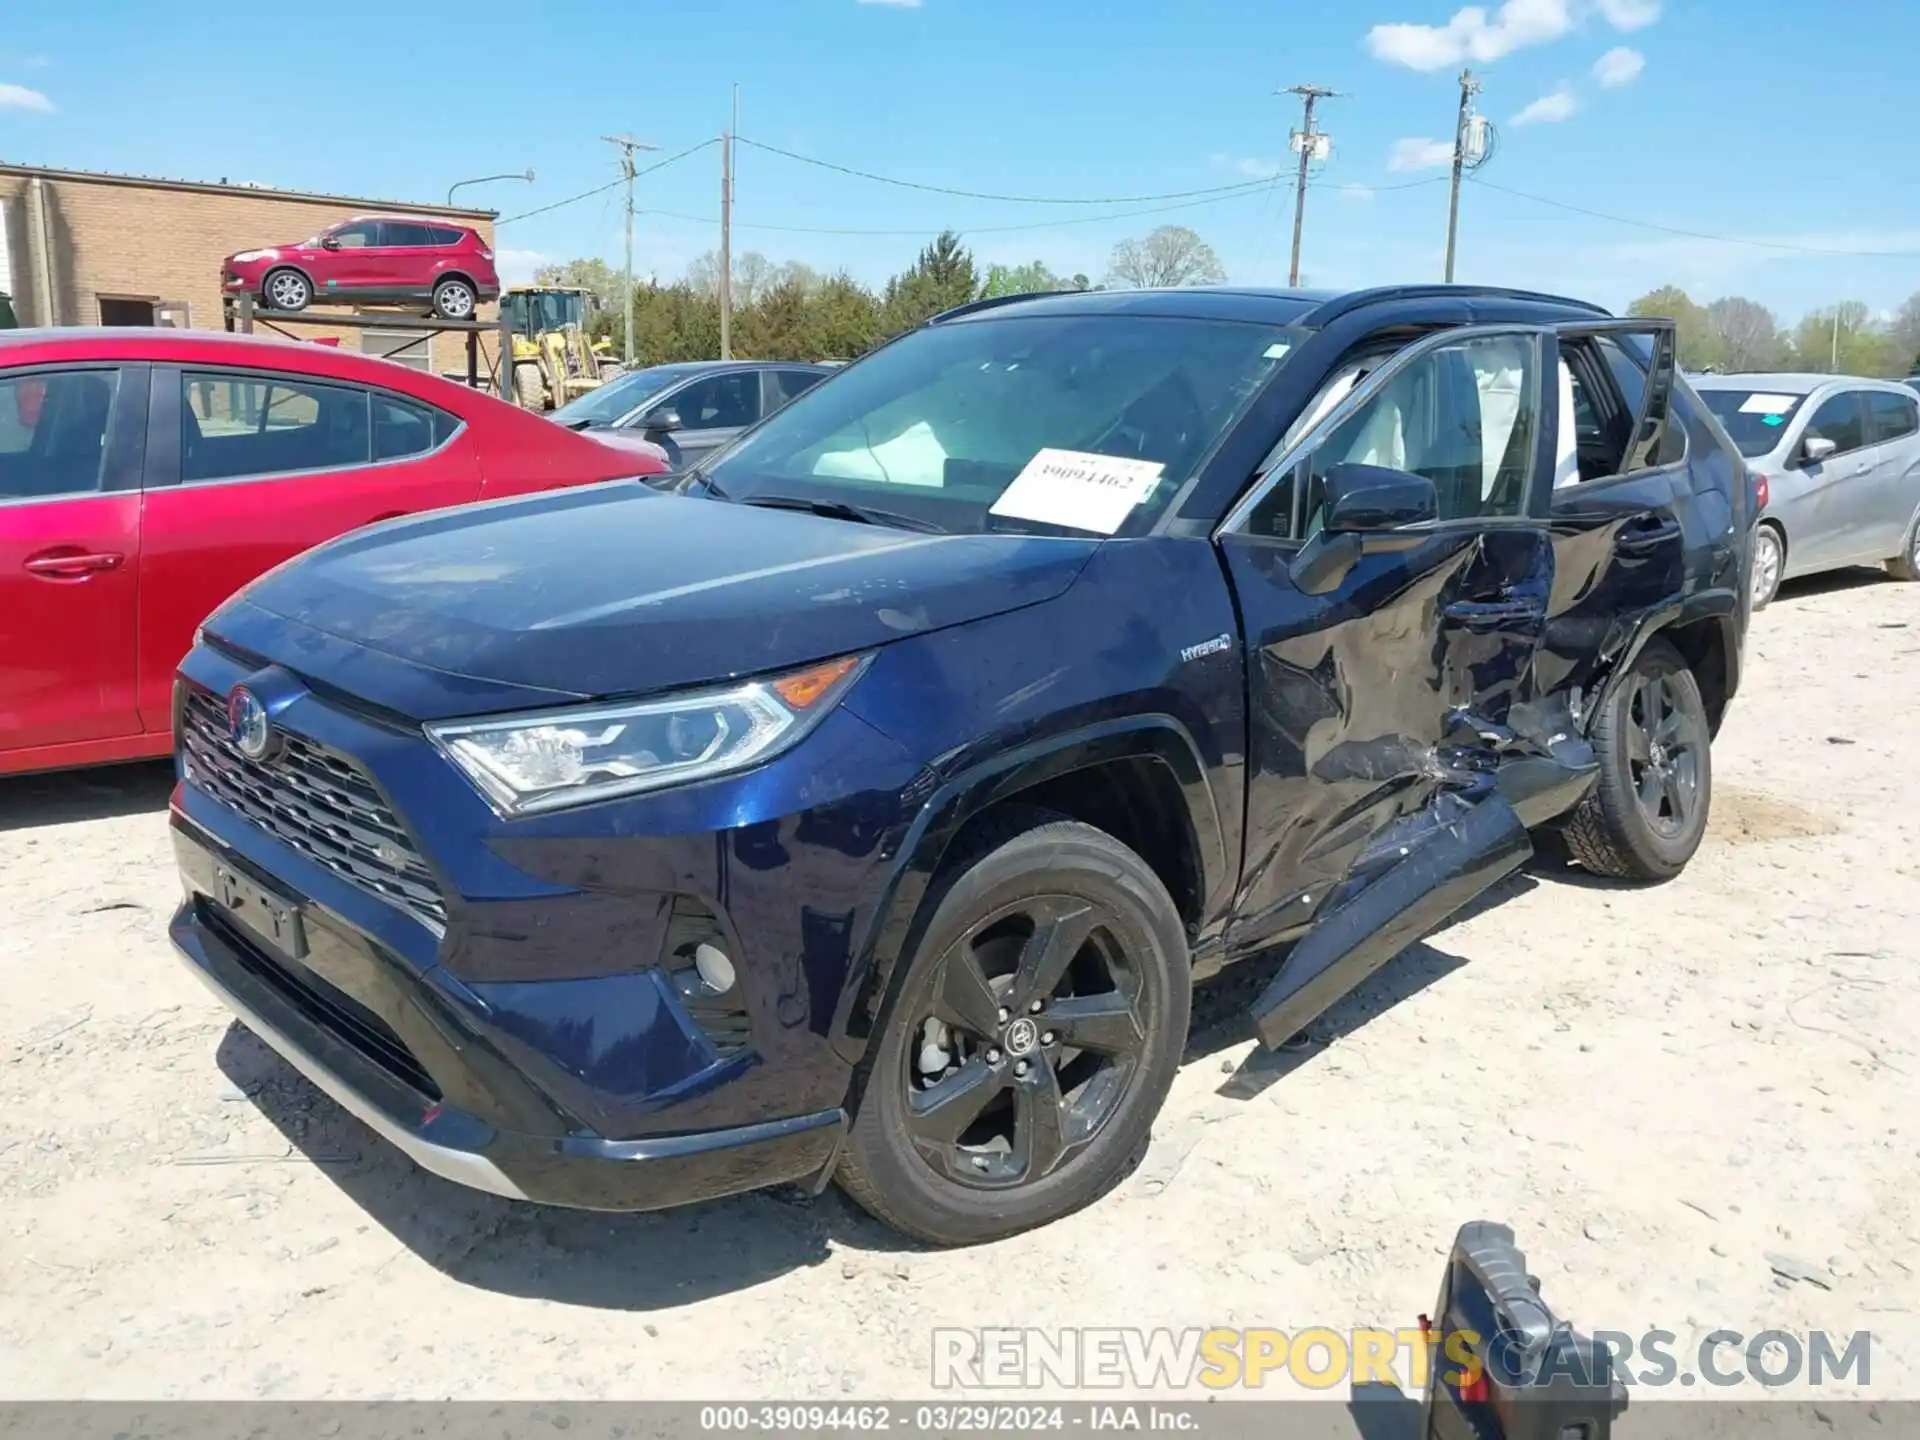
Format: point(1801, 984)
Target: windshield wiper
point(841, 510)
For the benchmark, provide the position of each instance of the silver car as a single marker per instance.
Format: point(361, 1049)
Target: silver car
point(1838, 462)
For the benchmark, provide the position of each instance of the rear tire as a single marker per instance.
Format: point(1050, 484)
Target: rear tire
point(528, 388)
point(1769, 562)
point(1906, 565)
point(979, 1115)
point(454, 299)
point(1646, 816)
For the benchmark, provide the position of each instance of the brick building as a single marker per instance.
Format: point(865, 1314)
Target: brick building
point(79, 248)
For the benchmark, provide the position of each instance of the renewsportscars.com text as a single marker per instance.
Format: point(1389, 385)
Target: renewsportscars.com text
point(1322, 1358)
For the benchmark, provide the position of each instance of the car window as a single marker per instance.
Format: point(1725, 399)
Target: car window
point(403, 427)
point(246, 426)
point(788, 384)
point(1894, 416)
point(393, 232)
point(356, 237)
point(719, 401)
point(1842, 419)
point(1753, 419)
point(1463, 415)
point(53, 432)
point(444, 235)
point(619, 395)
point(1629, 373)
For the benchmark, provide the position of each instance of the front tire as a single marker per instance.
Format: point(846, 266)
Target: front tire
point(453, 299)
point(287, 291)
point(528, 388)
point(1646, 816)
point(1030, 1044)
point(1769, 563)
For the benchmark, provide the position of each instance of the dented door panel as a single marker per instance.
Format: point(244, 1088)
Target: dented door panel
point(1366, 702)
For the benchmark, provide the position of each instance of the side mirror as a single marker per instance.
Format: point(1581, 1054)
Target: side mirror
point(1367, 498)
point(1816, 448)
point(330, 242)
point(662, 421)
point(1369, 508)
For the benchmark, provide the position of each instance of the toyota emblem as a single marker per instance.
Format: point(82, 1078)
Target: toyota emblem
point(247, 724)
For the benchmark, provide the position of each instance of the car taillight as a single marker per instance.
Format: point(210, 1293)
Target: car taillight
point(1762, 491)
point(485, 253)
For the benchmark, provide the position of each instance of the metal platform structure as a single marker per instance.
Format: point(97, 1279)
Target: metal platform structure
point(240, 315)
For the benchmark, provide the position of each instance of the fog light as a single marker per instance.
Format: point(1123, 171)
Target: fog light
point(715, 969)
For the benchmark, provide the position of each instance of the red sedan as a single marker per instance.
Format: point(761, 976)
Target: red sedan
point(146, 476)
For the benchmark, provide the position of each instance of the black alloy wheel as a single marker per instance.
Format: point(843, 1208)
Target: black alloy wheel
point(1033, 1033)
point(1030, 1039)
point(1647, 812)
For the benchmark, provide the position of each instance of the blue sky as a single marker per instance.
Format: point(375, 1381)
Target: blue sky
point(1752, 120)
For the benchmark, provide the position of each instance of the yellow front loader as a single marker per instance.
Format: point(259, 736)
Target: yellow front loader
point(553, 361)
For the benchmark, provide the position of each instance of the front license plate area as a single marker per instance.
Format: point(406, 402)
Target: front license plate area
point(270, 918)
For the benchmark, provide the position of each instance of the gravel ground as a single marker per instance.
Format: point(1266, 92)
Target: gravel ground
point(1669, 1093)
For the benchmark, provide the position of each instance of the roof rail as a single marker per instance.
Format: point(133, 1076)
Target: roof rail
point(1358, 299)
point(993, 302)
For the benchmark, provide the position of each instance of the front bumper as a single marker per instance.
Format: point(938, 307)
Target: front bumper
point(577, 1170)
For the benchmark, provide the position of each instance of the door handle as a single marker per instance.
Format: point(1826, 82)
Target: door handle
point(72, 565)
point(1494, 610)
point(1647, 535)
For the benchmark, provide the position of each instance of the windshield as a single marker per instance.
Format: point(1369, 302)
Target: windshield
point(1755, 419)
point(605, 405)
point(1075, 423)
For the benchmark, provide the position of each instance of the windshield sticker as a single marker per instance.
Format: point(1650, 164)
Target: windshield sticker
point(1768, 404)
point(1277, 350)
point(1077, 490)
point(1773, 419)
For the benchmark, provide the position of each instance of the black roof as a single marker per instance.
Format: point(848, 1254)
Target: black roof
point(1273, 306)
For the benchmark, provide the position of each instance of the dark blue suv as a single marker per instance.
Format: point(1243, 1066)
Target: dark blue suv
point(866, 804)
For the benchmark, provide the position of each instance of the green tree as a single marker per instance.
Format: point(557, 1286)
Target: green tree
point(1171, 255)
point(1904, 333)
point(1029, 279)
point(1697, 347)
point(1845, 339)
point(944, 276)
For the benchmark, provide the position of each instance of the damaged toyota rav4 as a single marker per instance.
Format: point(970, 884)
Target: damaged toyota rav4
point(865, 803)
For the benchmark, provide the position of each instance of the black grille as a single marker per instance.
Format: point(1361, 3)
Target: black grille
point(722, 1017)
point(316, 800)
point(326, 1007)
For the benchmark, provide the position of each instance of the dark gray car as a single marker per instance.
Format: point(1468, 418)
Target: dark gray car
point(692, 409)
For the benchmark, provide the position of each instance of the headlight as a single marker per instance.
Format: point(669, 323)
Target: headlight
point(524, 764)
point(245, 255)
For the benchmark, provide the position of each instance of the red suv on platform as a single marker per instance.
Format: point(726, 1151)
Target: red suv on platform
point(145, 475)
point(371, 259)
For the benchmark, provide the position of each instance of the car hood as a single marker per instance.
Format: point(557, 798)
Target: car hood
point(616, 589)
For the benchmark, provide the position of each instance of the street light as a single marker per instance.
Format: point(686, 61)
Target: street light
point(526, 175)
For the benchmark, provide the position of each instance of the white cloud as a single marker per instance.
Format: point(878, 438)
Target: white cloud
point(1254, 167)
point(1472, 35)
point(1419, 153)
point(1630, 14)
point(1549, 109)
point(516, 267)
point(19, 97)
point(1621, 66)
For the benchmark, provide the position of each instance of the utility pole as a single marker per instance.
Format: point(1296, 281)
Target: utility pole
point(627, 146)
point(1469, 87)
point(1313, 145)
point(726, 231)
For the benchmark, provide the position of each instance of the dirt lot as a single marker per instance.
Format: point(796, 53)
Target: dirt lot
point(1666, 1092)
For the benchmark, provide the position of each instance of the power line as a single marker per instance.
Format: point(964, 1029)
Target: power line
point(1005, 199)
point(1698, 234)
point(921, 230)
point(610, 185)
